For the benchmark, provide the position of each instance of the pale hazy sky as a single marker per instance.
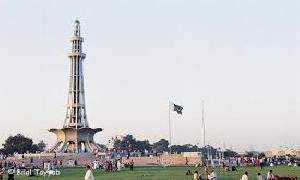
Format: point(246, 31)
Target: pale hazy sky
point(241, 57)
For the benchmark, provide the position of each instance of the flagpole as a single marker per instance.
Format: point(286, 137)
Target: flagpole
point(204, 133)
point(170, 128)
point(203, 124)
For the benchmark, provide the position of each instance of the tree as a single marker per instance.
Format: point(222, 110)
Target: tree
point(41, 146)
point(208, 151)
point(128, 142)
point(249, 154)
point(117, 143)
point(261, 155)
point(18, 143)
point(34, 148)
point(161, 146)
point(185, 148)
point(142, 145)
point(230, 153)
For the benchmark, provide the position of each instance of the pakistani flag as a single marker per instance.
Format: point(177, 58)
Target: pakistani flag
point(177, 108)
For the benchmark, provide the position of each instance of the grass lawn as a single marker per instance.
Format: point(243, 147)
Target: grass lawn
point(163, 173)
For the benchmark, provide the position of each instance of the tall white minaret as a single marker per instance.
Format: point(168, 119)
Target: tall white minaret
point(76, 108)
point(76, 136)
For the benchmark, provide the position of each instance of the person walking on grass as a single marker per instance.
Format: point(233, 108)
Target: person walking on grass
point(259, 177)
point(270, 175)
point(131, 165)
point(212, 176)
point(245, 176)
point(89, 173)
point(196, 175)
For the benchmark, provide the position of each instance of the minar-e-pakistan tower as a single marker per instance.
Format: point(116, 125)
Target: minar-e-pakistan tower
point(76, 135)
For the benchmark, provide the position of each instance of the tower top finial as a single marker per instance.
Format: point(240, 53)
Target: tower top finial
point(76, 28)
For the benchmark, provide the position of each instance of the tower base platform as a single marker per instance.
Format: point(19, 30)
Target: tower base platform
point(72, 140)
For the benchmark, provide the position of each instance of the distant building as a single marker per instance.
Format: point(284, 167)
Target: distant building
point(283, 152)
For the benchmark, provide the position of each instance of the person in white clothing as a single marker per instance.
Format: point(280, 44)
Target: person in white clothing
point(89, 173)
point(196, 175)
point(212, 176)
point(270, 175)
point(48, 166)
point(95, 164)
point(245, 176)
point(259, 176)
point(118, 165)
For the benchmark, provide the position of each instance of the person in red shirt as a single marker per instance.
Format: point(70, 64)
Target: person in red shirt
point(131, 164)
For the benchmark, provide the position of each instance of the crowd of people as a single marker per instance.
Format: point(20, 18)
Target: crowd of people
point(270, 176)
point(210, 176)
point(115, 163)
point(108, 166)
point(213, 176)
point(12, 167)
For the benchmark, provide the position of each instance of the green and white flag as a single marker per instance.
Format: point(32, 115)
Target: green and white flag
point(177, 108)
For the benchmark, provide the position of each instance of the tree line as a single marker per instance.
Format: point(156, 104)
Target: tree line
point(129, 143)
point(21, 144)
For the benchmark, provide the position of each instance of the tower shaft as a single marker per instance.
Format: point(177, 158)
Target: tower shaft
point(76, 108)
